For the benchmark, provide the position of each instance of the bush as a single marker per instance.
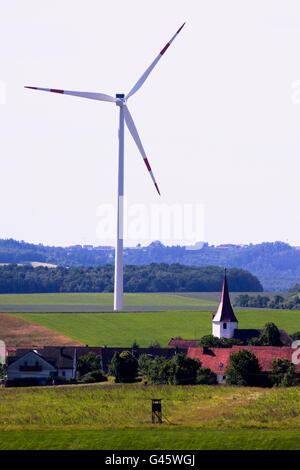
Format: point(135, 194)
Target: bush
point(158, 371)
point(144, 362)
point(26, 382)
point(283, 373)
point(244, 369)
point(269, 337)
point(72, 380)
point(206, 376)
point(183, 370)
point(88, 363)
point(98, 376)
point(154, 345)
point(124, 367)
point(211, 341)
point(179, 370)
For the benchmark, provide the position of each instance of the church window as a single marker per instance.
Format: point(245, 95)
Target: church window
point(225, 326)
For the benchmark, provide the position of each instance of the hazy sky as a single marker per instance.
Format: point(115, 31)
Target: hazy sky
point(219, 116)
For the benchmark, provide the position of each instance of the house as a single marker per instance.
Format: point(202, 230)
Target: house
point(30, 366)
point(41, 365)
point(218, 359)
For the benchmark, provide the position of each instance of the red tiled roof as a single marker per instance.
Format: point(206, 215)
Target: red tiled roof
point(213, 357)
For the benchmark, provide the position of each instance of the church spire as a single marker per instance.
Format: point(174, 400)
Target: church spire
point(225, 312)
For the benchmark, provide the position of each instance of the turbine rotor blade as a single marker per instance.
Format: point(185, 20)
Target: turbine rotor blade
point(140, 82)
point(133, 131)
point(81, 94)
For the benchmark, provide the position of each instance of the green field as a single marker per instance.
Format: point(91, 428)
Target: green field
point(112, 416)
point(103, 299)
point(121, 329)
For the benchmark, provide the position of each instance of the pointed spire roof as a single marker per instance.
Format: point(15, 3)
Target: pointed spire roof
point(225, 312)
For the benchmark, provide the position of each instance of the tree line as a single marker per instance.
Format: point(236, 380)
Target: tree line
point(155, 277)
point(277, 264)
point(263, 301)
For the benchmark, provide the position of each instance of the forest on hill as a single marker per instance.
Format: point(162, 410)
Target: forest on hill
point(277, 265)
point(154, 277)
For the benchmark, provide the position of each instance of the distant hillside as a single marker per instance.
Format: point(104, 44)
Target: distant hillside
point(277, 265)
point(151, 278)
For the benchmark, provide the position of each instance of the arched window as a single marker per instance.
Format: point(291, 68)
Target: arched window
point(224, 326)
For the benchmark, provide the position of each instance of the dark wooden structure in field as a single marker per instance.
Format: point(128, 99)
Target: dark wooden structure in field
point(156, 411)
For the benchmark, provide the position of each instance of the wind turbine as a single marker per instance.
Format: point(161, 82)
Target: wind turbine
point(121, 101)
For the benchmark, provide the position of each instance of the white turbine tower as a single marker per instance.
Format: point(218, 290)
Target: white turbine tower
point(121, 101)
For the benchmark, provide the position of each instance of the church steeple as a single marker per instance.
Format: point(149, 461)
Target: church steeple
point(225, 312)
point(224, 320)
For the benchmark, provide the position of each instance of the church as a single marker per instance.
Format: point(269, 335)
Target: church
point(225, 325)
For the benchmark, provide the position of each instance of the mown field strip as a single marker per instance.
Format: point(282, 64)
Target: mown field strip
point(121, 329)
point(102, 299)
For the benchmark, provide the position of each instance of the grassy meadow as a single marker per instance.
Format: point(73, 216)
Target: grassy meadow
point(114, 416)
point(104, 299)
point(121, 329)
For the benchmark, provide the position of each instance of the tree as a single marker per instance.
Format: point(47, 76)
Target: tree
point(211, 341)
point(124, 367)
point(206, 376)
point(158, 371)
point(154, 345)
point(295, 336)
point(244, 369)
point(183, 370)
point(283, 372)
point(144, 362)
point(88, 363)
point(269, 337)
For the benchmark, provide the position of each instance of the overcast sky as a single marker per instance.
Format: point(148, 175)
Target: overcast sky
point(219, 116)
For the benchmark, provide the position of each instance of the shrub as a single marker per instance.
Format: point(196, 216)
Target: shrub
point(154, 344)
point(269, 337)
point(183, 370)
point(244, 369)
point(88, 363)
point(144, 362)
point(206, 376)
point(283, 372)
point(124, 367)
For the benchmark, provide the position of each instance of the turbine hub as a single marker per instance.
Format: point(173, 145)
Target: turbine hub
point(120, 99)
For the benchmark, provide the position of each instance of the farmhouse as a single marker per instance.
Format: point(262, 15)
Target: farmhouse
point(218, 359)
point(41, 366)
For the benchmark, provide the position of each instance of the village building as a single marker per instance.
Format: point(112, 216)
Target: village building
point(218, 359)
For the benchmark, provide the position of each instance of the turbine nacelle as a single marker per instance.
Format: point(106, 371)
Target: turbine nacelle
point(120, 99)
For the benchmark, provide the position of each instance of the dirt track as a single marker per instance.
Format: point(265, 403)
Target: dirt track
point(17, 332)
